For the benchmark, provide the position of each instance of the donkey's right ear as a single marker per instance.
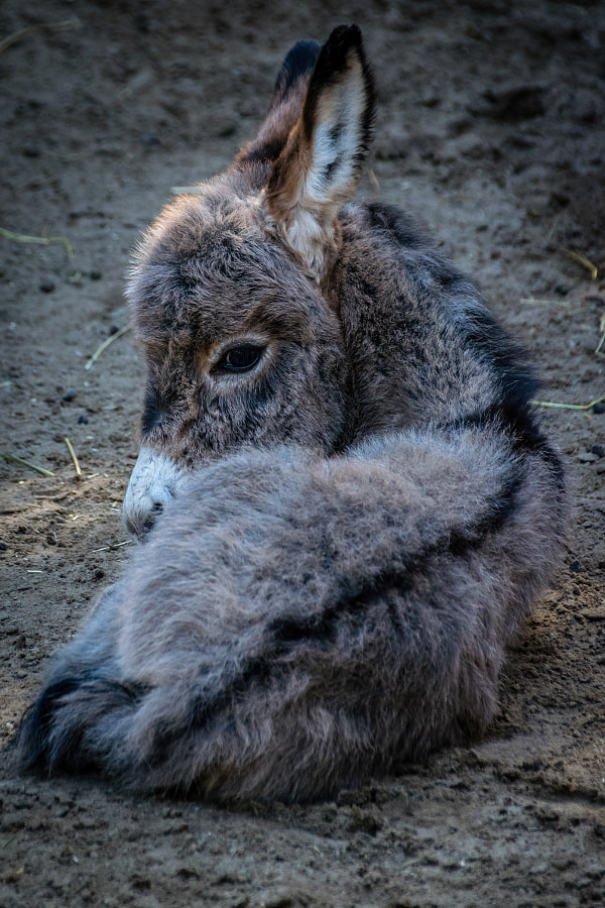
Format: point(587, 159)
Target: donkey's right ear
point(319, 167)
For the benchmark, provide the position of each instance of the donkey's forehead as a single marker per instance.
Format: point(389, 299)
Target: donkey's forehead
point(207, 224)
point(209, 266)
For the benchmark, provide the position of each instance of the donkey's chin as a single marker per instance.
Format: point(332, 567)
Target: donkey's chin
point(153, 483)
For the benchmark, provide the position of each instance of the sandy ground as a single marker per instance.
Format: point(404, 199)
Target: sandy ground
point(491, 130)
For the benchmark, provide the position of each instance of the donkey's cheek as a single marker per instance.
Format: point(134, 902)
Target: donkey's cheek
point(153, 483)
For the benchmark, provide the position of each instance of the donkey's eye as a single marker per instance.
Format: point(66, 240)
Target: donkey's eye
point(241, 359)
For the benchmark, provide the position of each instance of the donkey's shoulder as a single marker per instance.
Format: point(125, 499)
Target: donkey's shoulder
point(386, 231)
point(387, 221)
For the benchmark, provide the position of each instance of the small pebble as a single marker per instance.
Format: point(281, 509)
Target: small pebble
point(598, 408)
point(47, 286)
point(575, 567)
point(113, 329)
point(599, 450)
point(587, 457)
point(70, 394)
point(82, 420)
point(95, 275)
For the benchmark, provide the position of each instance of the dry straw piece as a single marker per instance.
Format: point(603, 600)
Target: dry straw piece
point(602, 330)
point(584, 262)
point(105, 345)
point(559, 406)
point(32, 29)
point(74, 459)
point(38, 240)
point(13, 458)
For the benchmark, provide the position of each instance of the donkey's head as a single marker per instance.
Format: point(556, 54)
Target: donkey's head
point(231, 285)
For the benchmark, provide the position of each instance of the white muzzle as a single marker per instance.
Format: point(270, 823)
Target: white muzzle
point(153, 482)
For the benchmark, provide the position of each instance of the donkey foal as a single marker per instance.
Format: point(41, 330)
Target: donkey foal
point(374, 510)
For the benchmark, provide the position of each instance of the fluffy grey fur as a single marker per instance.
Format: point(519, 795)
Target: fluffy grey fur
point(332, 591)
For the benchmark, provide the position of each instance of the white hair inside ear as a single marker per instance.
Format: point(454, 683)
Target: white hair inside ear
point(319, 168)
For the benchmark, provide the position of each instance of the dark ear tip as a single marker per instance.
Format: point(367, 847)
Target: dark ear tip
point(298, 62)
point(333, 57)
point(345, 37)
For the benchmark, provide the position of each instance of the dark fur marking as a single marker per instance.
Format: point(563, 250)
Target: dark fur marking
point(152, 409)
point(298, 62)
point(402, 227)
point(269, 151)
point(336, 132)
point(330, 168)
point(517, 380)
point(258, 670)
point(525, 435)
point(34, 729)
point(67, 754)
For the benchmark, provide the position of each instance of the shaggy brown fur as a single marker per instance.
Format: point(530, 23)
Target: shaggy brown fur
point(375, 511)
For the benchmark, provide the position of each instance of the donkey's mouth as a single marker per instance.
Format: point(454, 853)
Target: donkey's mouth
point(141, 530)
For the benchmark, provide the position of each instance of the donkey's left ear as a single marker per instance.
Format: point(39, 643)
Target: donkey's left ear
point(320, 165)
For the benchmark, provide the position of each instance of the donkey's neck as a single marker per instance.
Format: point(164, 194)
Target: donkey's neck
point(414, 329)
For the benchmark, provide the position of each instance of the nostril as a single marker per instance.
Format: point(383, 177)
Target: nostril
point(142, 520)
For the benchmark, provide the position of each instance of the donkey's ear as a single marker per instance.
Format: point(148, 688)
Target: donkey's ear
point(319, 168)
point(284, 111)
point(298, 64)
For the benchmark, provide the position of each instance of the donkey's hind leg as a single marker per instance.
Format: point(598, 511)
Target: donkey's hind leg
point(79, 688)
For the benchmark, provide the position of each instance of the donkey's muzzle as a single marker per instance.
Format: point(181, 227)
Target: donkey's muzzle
point(153, 483)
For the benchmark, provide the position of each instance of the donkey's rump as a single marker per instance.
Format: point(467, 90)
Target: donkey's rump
point(300, 623)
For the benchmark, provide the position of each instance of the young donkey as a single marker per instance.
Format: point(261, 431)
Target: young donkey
point(375, 513)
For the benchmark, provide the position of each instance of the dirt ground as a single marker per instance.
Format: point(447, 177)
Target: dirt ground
point(490, 129)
